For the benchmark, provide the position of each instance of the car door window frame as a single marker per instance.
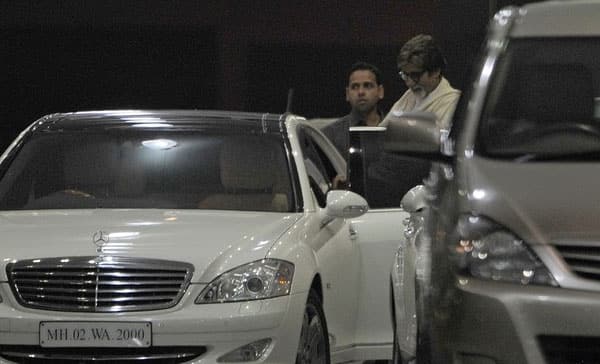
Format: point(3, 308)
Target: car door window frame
point(322, 162)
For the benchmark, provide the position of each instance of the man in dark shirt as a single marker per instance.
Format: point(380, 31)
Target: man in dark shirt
point(363, 93)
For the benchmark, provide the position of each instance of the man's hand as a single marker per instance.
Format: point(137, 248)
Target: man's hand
point(339, 182)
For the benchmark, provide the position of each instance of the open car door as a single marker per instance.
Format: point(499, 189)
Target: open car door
point(383, 179)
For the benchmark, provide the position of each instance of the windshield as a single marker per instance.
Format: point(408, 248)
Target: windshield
point(147, 169)
point(545, 102)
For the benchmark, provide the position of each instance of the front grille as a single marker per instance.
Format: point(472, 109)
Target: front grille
point(98, 284)
point(570, 349)
point(584, 260)
point(159, 355)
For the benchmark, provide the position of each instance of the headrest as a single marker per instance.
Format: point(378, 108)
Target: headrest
point(249, 163)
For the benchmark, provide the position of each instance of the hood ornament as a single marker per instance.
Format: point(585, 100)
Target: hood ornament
point(100, 239)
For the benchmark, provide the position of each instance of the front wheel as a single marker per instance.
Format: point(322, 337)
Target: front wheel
point(314, 343)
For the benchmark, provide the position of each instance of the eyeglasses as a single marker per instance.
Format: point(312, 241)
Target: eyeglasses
point(415, 76)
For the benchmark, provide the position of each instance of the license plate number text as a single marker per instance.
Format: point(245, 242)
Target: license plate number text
point(88, 334)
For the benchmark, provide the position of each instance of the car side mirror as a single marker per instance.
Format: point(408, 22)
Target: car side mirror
point(345, 204)
point(414, 200)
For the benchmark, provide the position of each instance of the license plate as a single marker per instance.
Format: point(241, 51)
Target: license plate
point(95, 334)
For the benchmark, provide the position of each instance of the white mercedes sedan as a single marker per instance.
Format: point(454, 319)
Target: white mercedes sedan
point(186, 236)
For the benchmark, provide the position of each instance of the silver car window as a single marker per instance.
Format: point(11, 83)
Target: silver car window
point(543, 105)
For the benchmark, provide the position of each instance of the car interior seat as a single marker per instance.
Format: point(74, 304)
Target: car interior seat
point(130, 180)
point(251, 175)
point(90, 169)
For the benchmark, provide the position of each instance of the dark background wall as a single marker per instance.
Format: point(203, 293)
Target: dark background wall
point(236, 55)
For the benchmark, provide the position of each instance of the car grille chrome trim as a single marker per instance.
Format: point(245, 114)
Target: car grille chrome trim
point(99, 284)
point(584, 260)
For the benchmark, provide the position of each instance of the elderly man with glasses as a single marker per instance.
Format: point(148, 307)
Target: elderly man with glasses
point(421, 65)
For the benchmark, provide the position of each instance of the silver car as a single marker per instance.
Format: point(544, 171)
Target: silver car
point(507, 253)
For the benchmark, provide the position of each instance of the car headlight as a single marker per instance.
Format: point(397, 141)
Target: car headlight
point(264, 278)
point(486, 250)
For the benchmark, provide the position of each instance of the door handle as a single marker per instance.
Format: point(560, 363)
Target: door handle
point(353, 232)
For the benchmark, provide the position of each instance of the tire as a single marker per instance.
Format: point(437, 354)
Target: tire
point(313, 347)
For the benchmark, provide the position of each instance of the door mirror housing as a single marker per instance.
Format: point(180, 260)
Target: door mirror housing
point(345, 204)
point(414, 200)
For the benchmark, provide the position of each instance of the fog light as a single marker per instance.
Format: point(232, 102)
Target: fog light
point(249, 352)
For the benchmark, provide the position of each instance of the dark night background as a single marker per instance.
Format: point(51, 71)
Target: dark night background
point(74, 55)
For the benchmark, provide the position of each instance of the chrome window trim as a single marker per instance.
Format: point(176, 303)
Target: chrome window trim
point(498, 36)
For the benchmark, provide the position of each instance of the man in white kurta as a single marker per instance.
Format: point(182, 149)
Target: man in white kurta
point(421, 65)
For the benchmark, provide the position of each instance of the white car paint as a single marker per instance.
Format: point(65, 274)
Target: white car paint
point(362, 328)
point(147, 233)
point(404, 271)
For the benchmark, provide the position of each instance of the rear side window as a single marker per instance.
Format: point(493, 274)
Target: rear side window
point(543, 102)
point(148, 169)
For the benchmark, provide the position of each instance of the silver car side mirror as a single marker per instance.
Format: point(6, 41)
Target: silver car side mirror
point(414, 200)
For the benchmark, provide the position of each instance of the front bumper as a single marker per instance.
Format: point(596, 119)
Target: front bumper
point(216, 328)
point(493, 323)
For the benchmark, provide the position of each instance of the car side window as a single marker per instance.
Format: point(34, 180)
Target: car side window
point(522, 124)
point(319, 168)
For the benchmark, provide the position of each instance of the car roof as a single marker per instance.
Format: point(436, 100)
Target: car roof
point(558, 19)
point(165, 119)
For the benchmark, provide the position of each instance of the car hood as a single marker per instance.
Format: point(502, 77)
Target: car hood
point(542, 202)
point(213, 241)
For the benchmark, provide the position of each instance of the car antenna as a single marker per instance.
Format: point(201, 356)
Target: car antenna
point(290, 97)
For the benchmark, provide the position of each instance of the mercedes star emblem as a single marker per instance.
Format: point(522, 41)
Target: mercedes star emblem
point(100, 239)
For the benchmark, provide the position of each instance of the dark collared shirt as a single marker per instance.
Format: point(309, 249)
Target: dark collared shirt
point(338, 133)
